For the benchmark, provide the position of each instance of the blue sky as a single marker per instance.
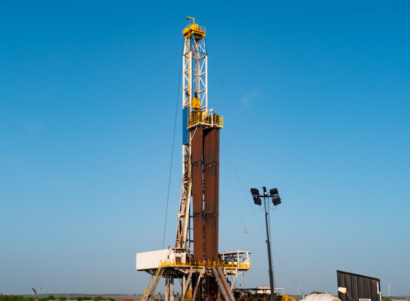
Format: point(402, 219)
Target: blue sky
point(315, 96)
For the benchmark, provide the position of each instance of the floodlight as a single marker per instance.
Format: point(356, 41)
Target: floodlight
point(34, 290)
point(257, 201)
point(274, 191)
point(254, 191)
point(276, 201)
point(343, 290)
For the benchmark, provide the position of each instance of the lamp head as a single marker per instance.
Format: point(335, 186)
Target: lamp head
point(276, 201)
point(257, 200)
point(254, 191)
point(274, 191)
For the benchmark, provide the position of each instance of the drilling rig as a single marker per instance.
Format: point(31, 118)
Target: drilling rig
point(195, 259)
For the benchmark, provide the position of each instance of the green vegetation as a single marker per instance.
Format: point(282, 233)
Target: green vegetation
point(51, 297)
point(14, 298)
point(316, 292)
point(385, 299)
point(22, 298)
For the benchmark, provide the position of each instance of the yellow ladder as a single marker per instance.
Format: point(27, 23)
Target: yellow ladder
point(148, 292)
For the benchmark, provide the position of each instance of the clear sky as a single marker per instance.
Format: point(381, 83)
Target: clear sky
point(315, 96)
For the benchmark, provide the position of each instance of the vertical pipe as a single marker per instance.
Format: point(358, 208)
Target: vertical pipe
point(183, 77)
point(166, 289)
point(272, 286)
point(211, 180)
point(197, 192)
point(172, 289)
point(183, 285)
point(190, 80)
point(197, 69)
point(206, 82)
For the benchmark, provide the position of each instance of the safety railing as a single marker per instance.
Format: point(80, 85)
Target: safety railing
point(208, 119)
point(200, 28)
point(205, 263)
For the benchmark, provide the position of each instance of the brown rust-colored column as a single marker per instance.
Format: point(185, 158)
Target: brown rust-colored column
point(211, 183)
point(197, 192)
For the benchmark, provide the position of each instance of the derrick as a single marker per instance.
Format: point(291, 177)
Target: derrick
point(195, 258)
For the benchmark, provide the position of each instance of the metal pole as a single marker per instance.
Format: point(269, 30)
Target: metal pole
point(172, 289)
point(183, 286)
point(272, 288)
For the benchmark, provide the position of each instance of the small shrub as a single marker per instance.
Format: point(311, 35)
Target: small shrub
point(11, 298)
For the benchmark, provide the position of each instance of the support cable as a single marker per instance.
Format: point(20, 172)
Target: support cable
point(172, 151)
point(240, 213)
point(287, 270)
point(243, 190)
point(254, 214)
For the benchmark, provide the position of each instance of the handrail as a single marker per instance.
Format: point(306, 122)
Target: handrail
point(209, 119)
point(205, 263)
point(200, 28)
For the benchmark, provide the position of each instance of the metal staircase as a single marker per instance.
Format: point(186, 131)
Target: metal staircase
point(148, 292)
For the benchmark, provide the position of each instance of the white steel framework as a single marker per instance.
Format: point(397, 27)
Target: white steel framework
point(195, 72)
point(194, 84)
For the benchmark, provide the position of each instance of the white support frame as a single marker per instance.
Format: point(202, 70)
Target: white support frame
point(195, 72)
point(184, 203)
point(194, 81)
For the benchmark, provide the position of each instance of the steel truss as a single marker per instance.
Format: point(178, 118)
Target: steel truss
point(188, 283)
point(195, 72)
point(194, 84)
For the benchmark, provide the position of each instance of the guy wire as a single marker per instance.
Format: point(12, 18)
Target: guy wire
point(172, 150)
point(254, 214)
